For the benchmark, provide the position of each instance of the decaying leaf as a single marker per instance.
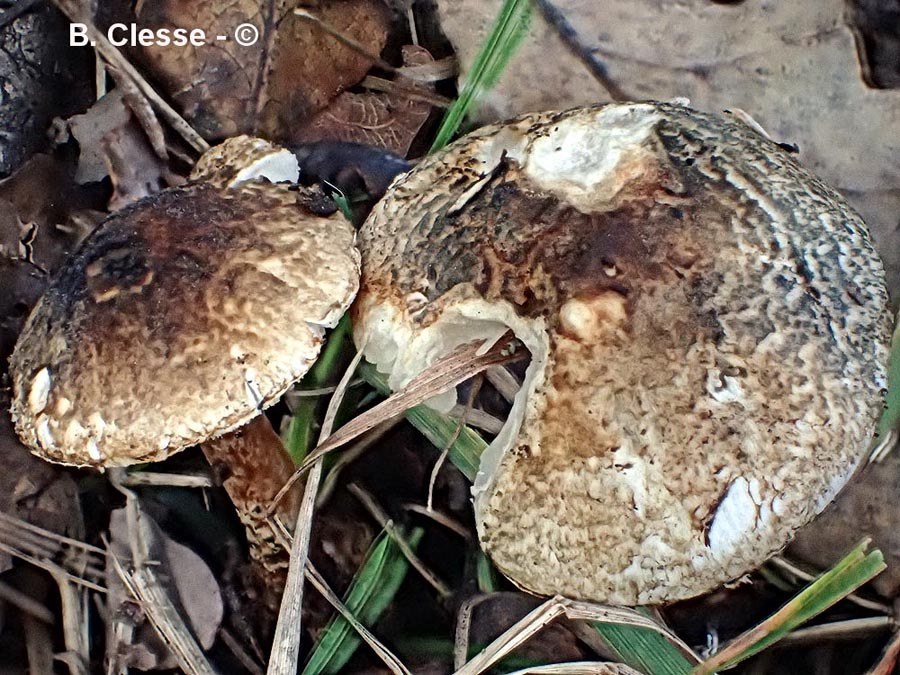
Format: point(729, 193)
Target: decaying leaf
point(792, 65)
point(186, 577)
point(35, 234)
point(112, 143)
point(385, 120)
point(268, 88)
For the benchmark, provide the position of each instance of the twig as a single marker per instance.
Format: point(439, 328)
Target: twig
point(25, 603)
point(567, 33)
point(345, 40)
point(77, 13)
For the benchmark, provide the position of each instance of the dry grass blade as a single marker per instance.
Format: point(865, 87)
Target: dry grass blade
point(440, 519)
point(449, 444)
point(515, 636)
point(288, 629)
point(578, 668)
point(536, 620)
point(441, 376)
point(78, 12)
point(25, 603)
point(145, 586)
point(379, 514)
point(158, 478)
point(840, 630)
point(80, 563)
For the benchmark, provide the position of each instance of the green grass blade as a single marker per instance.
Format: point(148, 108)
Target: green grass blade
point(465, 452)
point(509, 28)
point(644, 649)
point(890, 419)
point(371, 591)
point(302, 429)
point(851, 572)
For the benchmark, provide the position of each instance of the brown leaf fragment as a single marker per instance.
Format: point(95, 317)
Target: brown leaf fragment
point(185, 576)
point(270, 87)
point(385, 120)
point(112, 143)
point(35, 234)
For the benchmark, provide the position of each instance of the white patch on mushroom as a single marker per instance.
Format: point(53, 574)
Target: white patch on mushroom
point(593, 168)
point(93, 450)
point(39, 391)
point(74, 433)
point(45, 437)
point(723, 388)
point(588, 319)
point(277, 167)
point(96, 421)
point(252, 388)
point(734, 520)
point(63, 405)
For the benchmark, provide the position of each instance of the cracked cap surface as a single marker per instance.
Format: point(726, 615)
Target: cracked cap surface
point(179, 319)
point(708, 327)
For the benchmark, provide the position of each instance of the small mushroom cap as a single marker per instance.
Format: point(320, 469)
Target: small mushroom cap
point(179, 319)
point(244, 158)
point(708, 327)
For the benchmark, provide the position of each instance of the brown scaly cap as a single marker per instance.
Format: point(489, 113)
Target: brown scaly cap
point(708, 328)
point(180, 318)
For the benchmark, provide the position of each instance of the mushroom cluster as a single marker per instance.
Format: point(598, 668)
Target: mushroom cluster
point(708, 329)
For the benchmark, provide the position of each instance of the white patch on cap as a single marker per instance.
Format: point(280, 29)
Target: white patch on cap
point(735, 519)
point(93, 450)
point(45, 437)
point(39, 391)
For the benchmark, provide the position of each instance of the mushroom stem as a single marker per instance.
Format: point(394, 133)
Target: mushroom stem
point(256, 466)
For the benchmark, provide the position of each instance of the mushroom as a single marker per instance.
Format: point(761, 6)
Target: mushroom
point(184, 316)
point(708, 331)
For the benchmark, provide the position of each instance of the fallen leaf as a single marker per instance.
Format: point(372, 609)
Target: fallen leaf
point(385, 120)
point(273, 86)
point(36, 233)
point(35, 491)
point(112, 143)
point(186, 577)
point(793, 66)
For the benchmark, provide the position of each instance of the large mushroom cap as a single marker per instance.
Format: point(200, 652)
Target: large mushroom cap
point(708, 330)
point(180, 318)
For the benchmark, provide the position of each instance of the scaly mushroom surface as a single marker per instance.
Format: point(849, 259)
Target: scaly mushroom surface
point(708, 330)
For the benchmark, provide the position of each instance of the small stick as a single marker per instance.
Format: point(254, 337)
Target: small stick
point(77, 14)
point(344, 39)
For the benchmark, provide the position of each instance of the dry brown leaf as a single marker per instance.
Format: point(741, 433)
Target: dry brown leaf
point(384, 120)
point(112, 143)
point(185, 575)
point(225, 89)
point(40, 493)
point(35, 234)
point(793, 66)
